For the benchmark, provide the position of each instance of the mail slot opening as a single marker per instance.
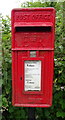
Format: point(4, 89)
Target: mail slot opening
point(33, 29)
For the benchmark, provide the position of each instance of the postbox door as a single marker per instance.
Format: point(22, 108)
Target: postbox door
point(25, 95)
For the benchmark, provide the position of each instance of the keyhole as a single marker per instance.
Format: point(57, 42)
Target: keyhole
point(20, 78)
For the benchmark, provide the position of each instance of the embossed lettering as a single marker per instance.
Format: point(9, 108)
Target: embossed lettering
point(33, 17)
point(22, 17)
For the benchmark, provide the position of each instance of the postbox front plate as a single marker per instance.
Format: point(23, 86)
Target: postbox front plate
point(32, 56)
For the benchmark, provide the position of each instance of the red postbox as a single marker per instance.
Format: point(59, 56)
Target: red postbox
point(32, 56)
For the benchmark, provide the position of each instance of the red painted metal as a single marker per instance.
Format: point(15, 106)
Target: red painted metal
point(32, 29)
